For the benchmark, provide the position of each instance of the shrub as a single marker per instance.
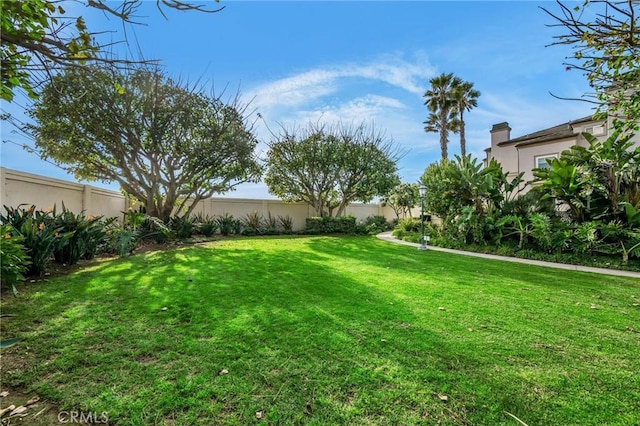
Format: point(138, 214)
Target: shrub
point(121, 241)
point(585, 237)
point(409, 224)
point(331, 225)
point(153, 228)
point(237, 226)
point(375, 224)
point(206, 225)
point(399, 233)
point(271, 224)
point(14, 261)
point(252, 223)
point(41, 240)
point(286, 222)
point(87, 233)
point(41, 236)
point(133, 219)
point(225, 223)
point(17, 216)
point(182, 227)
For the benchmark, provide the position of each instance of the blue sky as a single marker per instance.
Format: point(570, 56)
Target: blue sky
point(371, 61)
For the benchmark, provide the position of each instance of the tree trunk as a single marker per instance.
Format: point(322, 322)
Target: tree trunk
point(463, 141)
point(444, 130)
point(341, 209)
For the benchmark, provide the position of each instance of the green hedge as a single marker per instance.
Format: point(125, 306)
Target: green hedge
point(331, 225)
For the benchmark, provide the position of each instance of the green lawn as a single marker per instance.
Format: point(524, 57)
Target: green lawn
point(329, 331)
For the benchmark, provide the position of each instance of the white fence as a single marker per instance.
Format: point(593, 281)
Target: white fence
point(25, 188)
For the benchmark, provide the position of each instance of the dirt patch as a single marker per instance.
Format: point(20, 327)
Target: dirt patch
point(20, 408)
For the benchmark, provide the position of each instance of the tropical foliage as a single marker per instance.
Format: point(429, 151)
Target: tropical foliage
point(14, 260)
point(585, 205)
point(49, 235)
point(448, 98)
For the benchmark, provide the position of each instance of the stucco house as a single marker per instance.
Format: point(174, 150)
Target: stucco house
point(524, 153)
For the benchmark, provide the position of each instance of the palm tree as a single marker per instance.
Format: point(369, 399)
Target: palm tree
point(440, 102)
point(433, 124)
point(466, 98)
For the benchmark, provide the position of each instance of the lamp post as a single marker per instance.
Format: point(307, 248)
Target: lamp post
point(423, 192)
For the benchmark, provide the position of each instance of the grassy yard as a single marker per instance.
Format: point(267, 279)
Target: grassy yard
point(329, 331)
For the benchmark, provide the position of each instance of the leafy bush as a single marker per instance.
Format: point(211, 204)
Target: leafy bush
point(585, 237)
point(408, 225)
point(182, 227)
point(14, 261)
point(399, 233)
point(286, 222)
point(153, 228)
point(206, 225)
point(237, 226)
point(87, 233)
point(41, 240)
point(271, 225)
point(17, 216)
point(225, 223)
point(331, 225)
point(620, 240)
point(133, 219)
point(252, 223)
point(122, 241)
point(41, 236)
point(375, 224)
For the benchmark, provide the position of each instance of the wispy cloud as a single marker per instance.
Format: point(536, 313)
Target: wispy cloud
point(309, 86)
point(524, 115)
point(369, 106)
point(387, 93)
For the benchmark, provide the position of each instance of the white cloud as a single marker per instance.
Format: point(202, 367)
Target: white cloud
point(526, 116)
point(309, 86)
point(295, 90)
point(369, 107)
point(387, 93)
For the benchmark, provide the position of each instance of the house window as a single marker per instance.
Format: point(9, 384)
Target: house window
point(542, 162)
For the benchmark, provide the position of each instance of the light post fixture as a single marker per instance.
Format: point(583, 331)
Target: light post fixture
point(423, 192)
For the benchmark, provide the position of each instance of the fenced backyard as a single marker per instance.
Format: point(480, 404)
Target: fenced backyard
point(29, 189)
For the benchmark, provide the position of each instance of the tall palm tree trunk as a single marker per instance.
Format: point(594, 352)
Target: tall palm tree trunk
point(463, 141)
point(444, 133)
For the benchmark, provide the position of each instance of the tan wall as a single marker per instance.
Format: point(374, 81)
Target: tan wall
point(527, 154)
point(522, 159)
point(25, 188)
point(299, 212)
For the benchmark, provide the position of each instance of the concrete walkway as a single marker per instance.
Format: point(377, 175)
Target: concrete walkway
point(386, 236)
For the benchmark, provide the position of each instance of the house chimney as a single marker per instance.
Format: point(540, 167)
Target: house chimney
point(500, 132)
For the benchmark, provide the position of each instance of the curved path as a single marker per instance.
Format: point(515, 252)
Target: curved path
point(386, 236)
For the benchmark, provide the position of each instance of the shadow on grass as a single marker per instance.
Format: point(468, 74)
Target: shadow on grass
point(147, 338)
